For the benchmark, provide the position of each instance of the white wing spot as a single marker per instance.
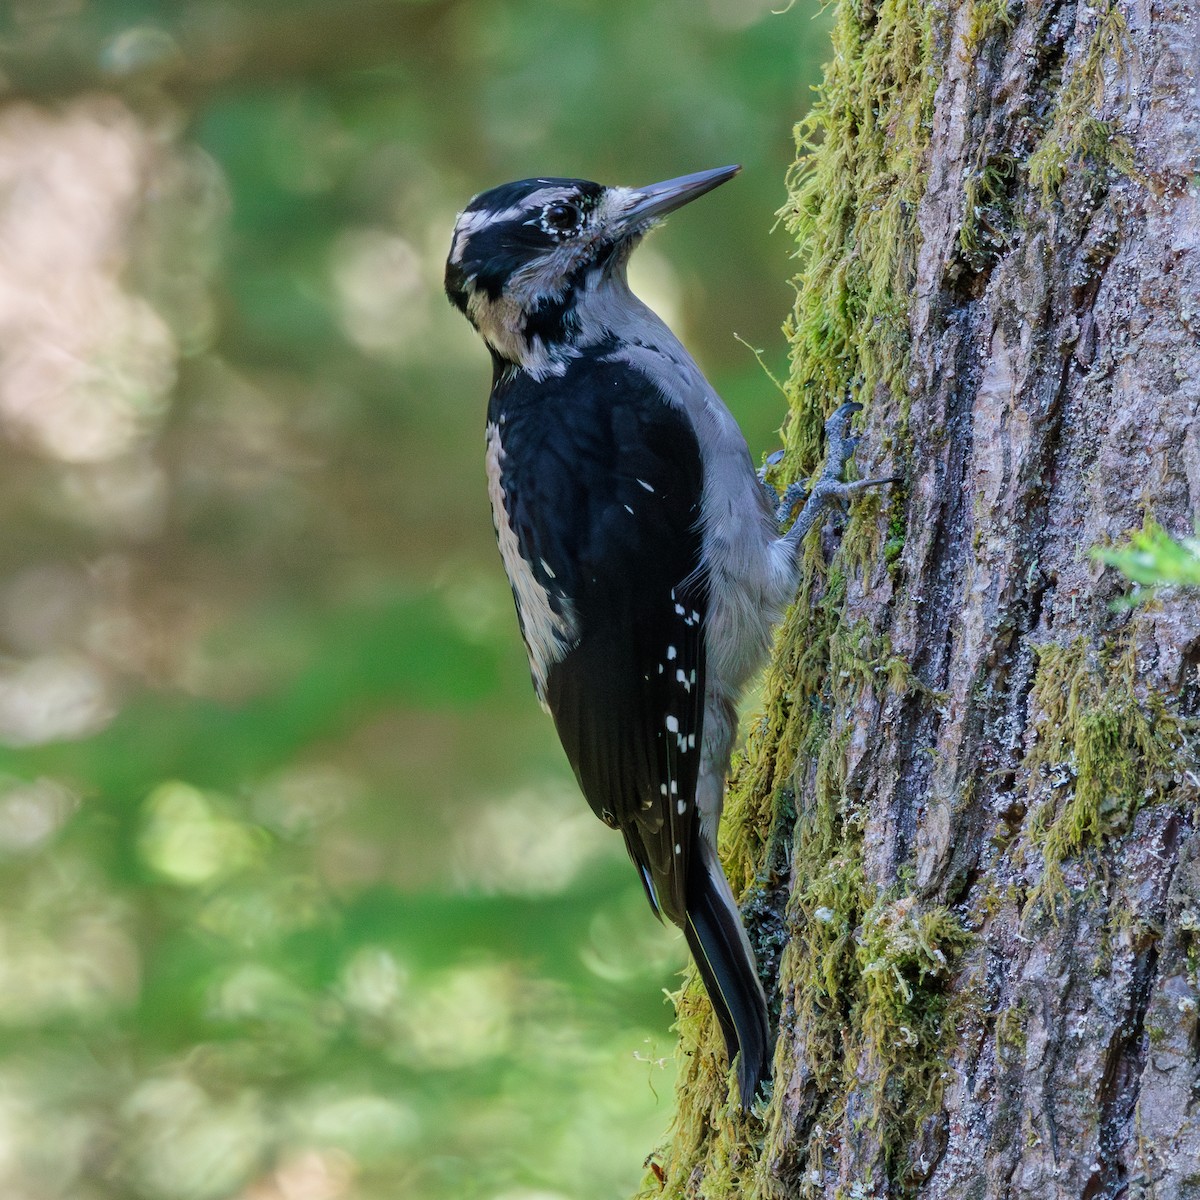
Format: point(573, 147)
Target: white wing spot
point(671, 653)
point(627, 509)
point(674, 787)
point(646, 485)
point(691, 741)
point(662, 787)
point(672, 724)
point(679, 610)
point(681, 807)
point(678, 848)
point(547, 568)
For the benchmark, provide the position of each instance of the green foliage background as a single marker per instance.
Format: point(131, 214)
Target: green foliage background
point(299, 901)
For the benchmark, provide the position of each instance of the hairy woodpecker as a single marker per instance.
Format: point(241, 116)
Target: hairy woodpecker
point(642, 548)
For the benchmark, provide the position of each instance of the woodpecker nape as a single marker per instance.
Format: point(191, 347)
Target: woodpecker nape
point(641, 546)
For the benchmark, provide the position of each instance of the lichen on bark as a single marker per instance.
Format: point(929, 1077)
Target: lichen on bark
point(963, 822)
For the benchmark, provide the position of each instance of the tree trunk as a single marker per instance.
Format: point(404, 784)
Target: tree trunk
point(966, 822)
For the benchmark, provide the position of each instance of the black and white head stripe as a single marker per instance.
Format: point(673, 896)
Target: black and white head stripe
point(526, 256)
point(502, 230)
point(521, 250)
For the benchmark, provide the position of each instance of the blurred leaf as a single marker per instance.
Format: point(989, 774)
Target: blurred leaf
point(1152, 559)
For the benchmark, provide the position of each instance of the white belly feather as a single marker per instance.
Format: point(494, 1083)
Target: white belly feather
point(548, 635)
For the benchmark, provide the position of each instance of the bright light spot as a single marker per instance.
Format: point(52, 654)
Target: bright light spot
point(87, 365)
point(64, 950)
point(365, 1126)
point(184, 1146)
point(308, 1175)
point(625, 942)
point(186, 838)
point(254, 992)
point(32, 812)
point(382, 298)
point(478, 602)
point(374, 981)
point(139, 49)
point(300, 800)
point(531, 843)
point(52, 698)
point(83, 971)
point(263, 908)
point(461, 1018)
point(14, 1129)
point(27, 1153)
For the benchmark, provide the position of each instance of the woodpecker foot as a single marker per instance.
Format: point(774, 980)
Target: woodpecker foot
point(794, 495)
point(772, 459)
point(839, 445)
point(829, 491)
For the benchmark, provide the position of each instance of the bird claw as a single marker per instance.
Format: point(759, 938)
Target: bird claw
point(829, 489)
point(773, 459)
point(839, 443)
point(838, 422)
point(836, 493)
point(794, 494)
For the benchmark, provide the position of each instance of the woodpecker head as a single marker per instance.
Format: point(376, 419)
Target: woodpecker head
point(530, 259)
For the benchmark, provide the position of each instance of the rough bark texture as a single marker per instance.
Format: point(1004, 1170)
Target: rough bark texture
point(966, 822)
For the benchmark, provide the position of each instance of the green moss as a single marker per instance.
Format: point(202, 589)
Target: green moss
point(1075, 132)
point(867, 970)
point(1105, 746)
point(987, 216)
point(987, 17)
point(853, 191)
point(905, 954)
point(1062, 113)
point(1012, 1032)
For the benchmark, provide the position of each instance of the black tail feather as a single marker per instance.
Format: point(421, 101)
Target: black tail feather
point(726, 964)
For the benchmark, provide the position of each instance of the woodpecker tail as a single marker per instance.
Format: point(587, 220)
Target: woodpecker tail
point(723, 956)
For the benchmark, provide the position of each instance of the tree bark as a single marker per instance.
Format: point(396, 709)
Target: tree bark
point(965, 822)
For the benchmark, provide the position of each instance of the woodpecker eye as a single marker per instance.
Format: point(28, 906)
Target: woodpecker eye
point(561, 218)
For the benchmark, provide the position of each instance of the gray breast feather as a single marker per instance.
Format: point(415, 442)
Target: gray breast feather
point(748, 590)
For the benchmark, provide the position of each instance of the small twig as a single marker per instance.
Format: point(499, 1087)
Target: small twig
point(766, 370)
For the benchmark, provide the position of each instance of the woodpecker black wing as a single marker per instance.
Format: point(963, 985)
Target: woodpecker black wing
point(600, 480)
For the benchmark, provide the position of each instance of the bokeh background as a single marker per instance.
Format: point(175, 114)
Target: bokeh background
point(297, 898)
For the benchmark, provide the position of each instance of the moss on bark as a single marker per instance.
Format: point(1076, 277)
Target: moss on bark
point(889, 903)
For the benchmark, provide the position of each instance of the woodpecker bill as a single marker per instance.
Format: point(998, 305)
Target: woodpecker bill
point(642, 549)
